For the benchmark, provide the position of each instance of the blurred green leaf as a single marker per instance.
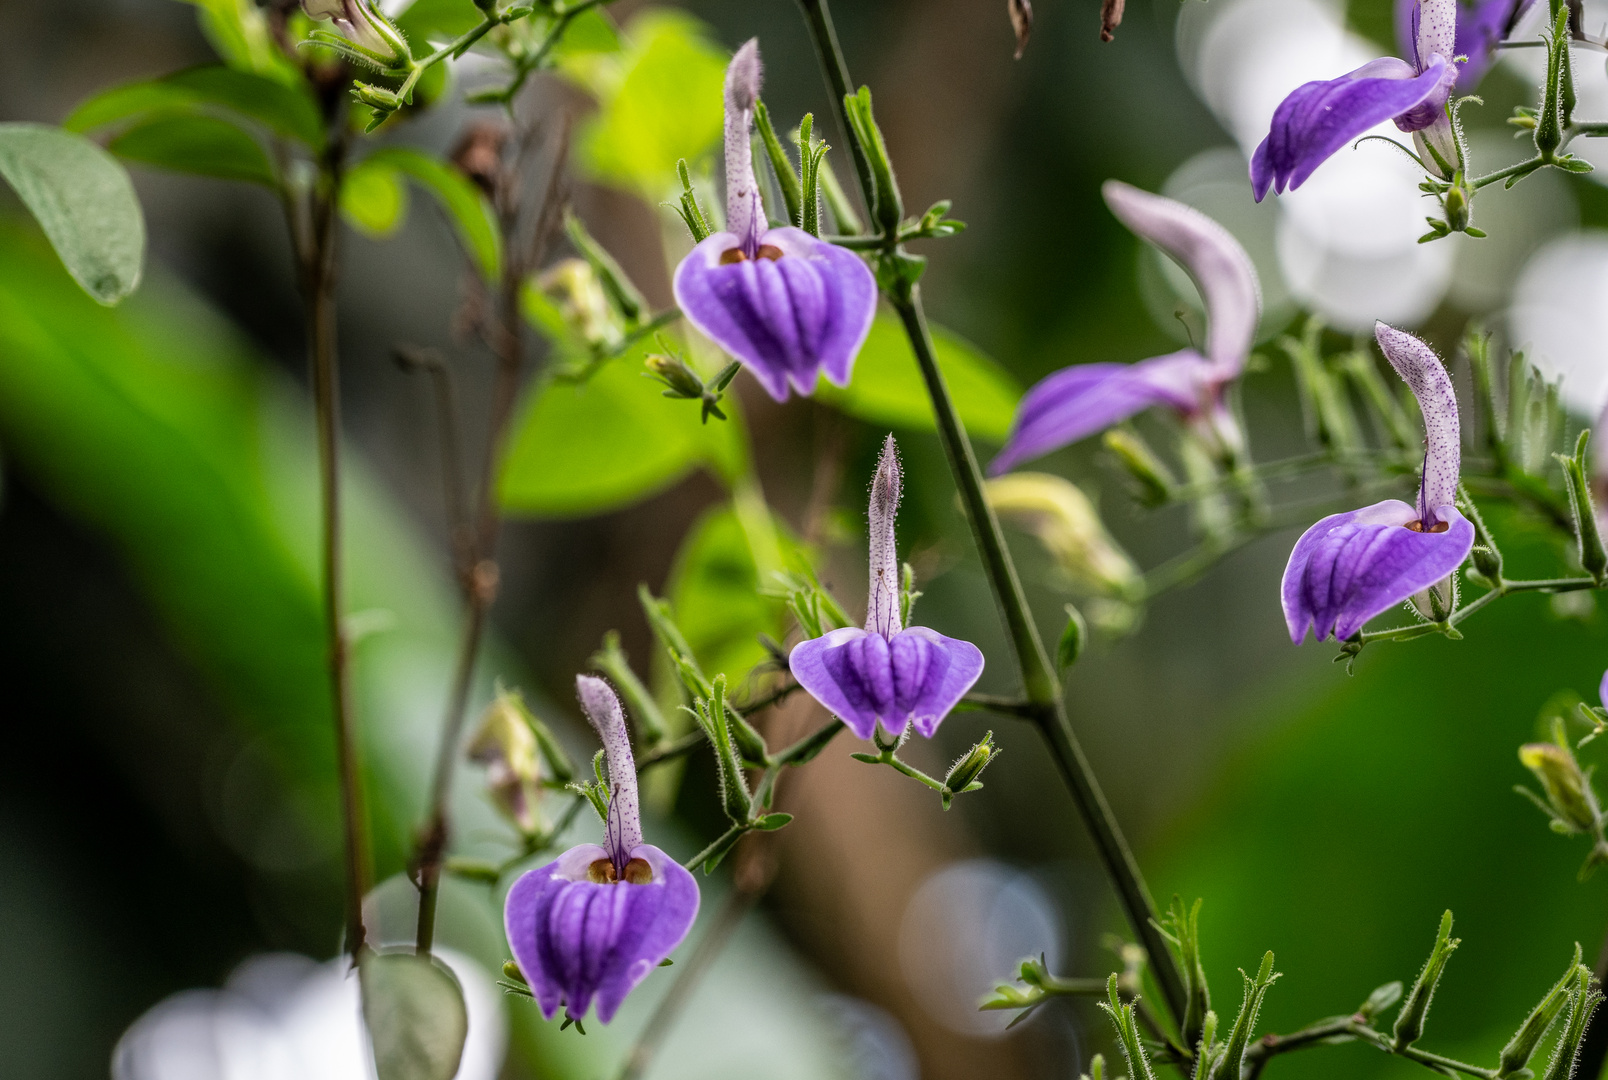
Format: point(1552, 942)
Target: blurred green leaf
point(416, 1017)
point(438, 20)
point(238, 30)
point(585, 448)
point(660, 100)
point(887, 387)
point(204, 145)
point(83, 200)
point(284, 109)
point(466, 206)
point(715, 592)
point(373, 198)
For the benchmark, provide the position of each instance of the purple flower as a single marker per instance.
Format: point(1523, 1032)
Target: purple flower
point(593, 922)
point(1480, 26)
point(1350, 567)
point(886, 673)
point(786, 304)
point(1078, 401)
point(1319, 118)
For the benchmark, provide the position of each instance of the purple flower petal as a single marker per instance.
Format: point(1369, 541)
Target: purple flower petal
point(1478, 30)
point(915, 677)
point(1602, 690)
point(1319, 118)
point(1078, 401)
point(1426, 376)
point(788, 319)
point(1350, 567)
point(1221, 269)
point(577, 940)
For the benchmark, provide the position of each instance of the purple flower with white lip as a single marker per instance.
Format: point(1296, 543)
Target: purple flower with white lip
point(1480, 26)
point(1318, 118)
point(1081, 400)
point(887, 673)
point(788, 305)
point(595, 921)
point(1350, 567)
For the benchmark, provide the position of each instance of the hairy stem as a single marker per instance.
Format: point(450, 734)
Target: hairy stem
point(1042, 686)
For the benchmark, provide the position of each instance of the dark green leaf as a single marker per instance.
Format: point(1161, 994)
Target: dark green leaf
point(284, 109)
point(83, 200)
point(887, 387)
point(1073, 638)
point(204, 145)
point(465, 205)
point(415, 1014)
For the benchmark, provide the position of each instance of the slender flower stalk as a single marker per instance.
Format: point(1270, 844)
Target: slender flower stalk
point(1350, 567)
point(1084, 399)
point(887, 673)
point(788, 305)
point(1320, 117)
point(593, 923)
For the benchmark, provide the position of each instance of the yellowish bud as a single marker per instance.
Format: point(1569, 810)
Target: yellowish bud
point(506, 746)
point(574, 287)
point(1067, 524)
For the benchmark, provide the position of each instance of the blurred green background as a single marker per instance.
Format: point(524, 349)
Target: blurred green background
point(166, 804)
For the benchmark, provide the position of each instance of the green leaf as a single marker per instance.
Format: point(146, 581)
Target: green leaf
point(660, 100)
point(373, 198)
point(715, 592)
point(772, 822)
point(415, 1014)
point(284, 109)
point(204, 145)
point(438, 21)
point(238, 30)
point(83, 200)
point(887, 387)
point(1073, 638)
point(466, 206)
point(586, 448)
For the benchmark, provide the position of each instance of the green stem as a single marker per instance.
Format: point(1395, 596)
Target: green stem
point(1042, 686)
point(1523, 168)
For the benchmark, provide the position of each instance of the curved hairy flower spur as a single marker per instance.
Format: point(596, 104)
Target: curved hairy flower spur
point(887, 673)
point(1081, 400)
point(786, 304)
point(1319, 118)
point(1350, 567)
point(594, 922)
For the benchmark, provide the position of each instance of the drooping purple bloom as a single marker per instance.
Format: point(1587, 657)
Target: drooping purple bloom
point(788, 305)
point(1081, 400)
point(1318, 118)
point(1350, 567)
point(887, 673)
point(594, 922)
point(1480, 25)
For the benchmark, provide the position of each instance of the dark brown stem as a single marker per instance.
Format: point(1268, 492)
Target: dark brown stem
point(318, 259)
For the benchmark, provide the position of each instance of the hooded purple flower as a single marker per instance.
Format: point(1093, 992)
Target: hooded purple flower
point(885, 673)
point(786, 304)
point(1078, 401)
point(593, 922)
point(1319, 118)
point(1350, 567)
point(1480, 25)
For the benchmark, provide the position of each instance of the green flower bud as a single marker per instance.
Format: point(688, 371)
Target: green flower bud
point(963, 774)
point(1521, 1048)
point(1568, 794)
point(1457, 206)
point(1410, 1021)
point(680, 380)
point(376, 97)
point(1155, 481)
point(575, 289)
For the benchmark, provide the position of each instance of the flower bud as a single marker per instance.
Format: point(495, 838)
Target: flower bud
point(376, 97)
point(574, 287)
point(1457, 206)
point(1569, 796)
point(1521, 1048)
point(1415, 1010)
point(680, 380)
point(1069, 527)
point(963, 774)
point(506, 746)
